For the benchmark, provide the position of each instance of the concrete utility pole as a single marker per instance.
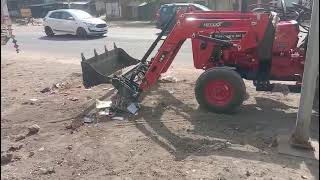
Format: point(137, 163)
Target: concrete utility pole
point(69, 4)
point(301, 134)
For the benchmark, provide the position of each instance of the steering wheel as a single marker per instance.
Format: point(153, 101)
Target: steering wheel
point(284, 12)
point(281, 11)
point(296, 5)
point(284, 9)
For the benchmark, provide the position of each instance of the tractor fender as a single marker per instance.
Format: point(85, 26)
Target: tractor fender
point(224, 68)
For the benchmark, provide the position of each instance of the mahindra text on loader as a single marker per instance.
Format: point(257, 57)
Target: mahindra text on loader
point(258, 43)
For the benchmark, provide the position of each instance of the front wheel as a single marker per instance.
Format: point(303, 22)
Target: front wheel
point(220, 90)
point(48, 31)
point(82, 33)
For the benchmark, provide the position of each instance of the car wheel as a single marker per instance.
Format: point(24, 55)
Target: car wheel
point(48, 31)
point(82, 33)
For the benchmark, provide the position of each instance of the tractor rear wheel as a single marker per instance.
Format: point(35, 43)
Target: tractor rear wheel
point(220, 90)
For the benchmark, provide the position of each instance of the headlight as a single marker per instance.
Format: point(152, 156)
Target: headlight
point(89, 24)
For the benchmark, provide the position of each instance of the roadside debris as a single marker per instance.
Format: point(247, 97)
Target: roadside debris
point(30, 101)
point(57, 86)
point(44, 171)
point(87, 119)
point(33, 99)
point(69, 147)
point(103, 104)
point(63, 85)
point(248, 173)
point(34, 129)
point(219, 146)
point(31, 153)
point(282, 88)
point(118, 118)
point(29, 21)
point(6, 158)
point(168, 79)
point(73, 99)
point(226, 169)
point(15, 147)
point(132, 108)
point(68, 126)
point(47, 89)
point(104, 112)
point(20, 137)
point(274, 142)
point(17, 158)
point(109, 89)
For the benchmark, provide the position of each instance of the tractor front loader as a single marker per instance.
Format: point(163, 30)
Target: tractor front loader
point(100, 68)
point(259, 45)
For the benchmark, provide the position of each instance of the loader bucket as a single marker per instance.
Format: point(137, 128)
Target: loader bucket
point(99, 69)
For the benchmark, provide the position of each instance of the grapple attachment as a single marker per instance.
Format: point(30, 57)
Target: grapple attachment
point(100, 68)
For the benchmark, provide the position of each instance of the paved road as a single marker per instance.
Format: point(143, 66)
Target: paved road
point(135, 41)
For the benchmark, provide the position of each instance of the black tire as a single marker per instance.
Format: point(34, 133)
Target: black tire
point(48, 31)
point(236, 90)
point(82, 33)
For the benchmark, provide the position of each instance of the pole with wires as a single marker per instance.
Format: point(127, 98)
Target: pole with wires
point(301, 133)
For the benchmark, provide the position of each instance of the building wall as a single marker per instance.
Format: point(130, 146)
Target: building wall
point(110, 8)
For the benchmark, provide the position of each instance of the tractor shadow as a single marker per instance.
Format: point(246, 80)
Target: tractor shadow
point(70, 38)
point(254, 125)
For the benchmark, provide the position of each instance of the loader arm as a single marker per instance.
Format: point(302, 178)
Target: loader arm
point(201, 26)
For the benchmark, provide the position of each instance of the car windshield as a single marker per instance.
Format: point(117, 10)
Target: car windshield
point(82, 15)
point(203, 8)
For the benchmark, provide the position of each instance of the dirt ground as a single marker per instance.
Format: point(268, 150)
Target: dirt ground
point(171, 138)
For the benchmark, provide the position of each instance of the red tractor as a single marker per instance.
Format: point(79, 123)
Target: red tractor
point(260, 44)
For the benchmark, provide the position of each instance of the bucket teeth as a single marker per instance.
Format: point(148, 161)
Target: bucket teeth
point(95, 52)
point(82, 57)
point(106, 50)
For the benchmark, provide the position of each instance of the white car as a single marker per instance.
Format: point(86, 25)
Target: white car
point(73, 21)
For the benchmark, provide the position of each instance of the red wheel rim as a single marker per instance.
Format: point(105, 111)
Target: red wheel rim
point(219, 92)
